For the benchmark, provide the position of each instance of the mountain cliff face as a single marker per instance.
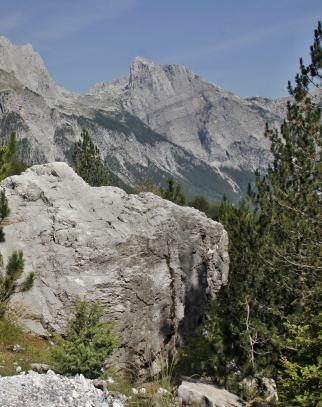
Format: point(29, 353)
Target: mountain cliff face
point(215, 125)
point(157, 121)
point(27, 66)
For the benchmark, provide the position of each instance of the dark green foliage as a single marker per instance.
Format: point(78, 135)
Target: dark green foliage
point(89, 165)
point(300, 383)
point(294, 209)
point(9, 165)
point(130, 125)
point(9, 281)
point(241, 325)
point(201, 203)
point(4, 207)
point(272, 303)
point(9, 278)
point(88, 342)
point(173, 192)
point(15, 265)
point(112, 123)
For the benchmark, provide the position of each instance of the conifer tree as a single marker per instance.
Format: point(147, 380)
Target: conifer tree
point(9, 165)
point(4, 211)
point(301, 377)
point(173, 192)
point(290, 199)
point(200, 203)
point(289, 195)
point(10, 281)
point(272, 304)
point(89, 165)
point(242, 324)
point(87, 343)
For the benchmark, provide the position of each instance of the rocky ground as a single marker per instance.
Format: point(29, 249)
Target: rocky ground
point(52, 390)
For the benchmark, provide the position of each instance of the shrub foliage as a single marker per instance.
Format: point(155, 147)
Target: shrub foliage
point(87, 343)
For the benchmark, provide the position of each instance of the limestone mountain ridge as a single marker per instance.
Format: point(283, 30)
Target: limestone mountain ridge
point(155, 122)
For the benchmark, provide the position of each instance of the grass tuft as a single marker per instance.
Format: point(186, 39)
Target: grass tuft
point(15, 359)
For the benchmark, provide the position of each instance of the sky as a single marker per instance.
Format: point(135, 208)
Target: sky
point(249, 47)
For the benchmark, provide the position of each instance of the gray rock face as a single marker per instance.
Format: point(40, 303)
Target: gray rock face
point(154, 264)
point(27, 66)
point(196, 393)
point(217, 126)
point(48, 120)
point(157, 121)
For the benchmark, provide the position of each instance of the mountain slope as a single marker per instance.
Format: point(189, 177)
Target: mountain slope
point(217, 126)
point(157, 121)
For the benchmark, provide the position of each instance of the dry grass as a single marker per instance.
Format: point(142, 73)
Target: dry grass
point(31, 349)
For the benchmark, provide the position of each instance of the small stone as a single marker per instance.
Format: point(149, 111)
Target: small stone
point(40, 367)
point(161, 390)
point(75, 395)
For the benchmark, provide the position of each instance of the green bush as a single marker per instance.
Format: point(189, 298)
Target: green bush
point(88, 342)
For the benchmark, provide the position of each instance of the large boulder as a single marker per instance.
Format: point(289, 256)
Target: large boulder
point(153, 263)
point(197, 393)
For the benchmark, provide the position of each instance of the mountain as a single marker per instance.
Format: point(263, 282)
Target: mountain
point(155, 122)
point(215, 125)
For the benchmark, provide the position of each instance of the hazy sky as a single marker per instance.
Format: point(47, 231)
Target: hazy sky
point(250, 47)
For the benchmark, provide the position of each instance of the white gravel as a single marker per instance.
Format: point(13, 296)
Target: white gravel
point(53, 390)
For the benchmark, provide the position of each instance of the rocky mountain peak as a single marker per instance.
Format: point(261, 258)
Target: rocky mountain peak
point(140, 63)
point(27, 66)
point(163, 114)
point(147, 78)
point(4, 42)
point(162, 80)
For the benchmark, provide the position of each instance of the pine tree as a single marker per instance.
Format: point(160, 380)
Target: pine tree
point(301, 382)
point(10, 277)
point(88, 342)
point(289, 196)
point(4, 211)
point(290, 199)
point(10, 281)
point(272, 303)
point(200, 203)
point(173, 192)
point(242, 323)
point(89, 165)
point(9, 165)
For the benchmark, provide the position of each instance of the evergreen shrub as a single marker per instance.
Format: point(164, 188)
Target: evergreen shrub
point(88, 342)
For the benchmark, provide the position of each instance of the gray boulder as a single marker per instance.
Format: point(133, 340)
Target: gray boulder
point(153, 263)
point(196, 393)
